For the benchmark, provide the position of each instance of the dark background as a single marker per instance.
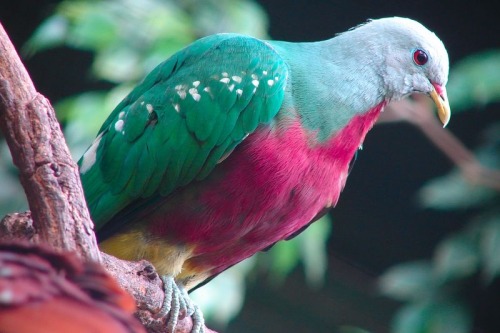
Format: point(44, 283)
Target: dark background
point(377, 222)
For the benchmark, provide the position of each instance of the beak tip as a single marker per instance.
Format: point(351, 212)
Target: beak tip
point(443, 106)
point(444, 118)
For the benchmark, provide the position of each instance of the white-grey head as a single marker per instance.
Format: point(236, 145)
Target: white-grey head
point(408, 57)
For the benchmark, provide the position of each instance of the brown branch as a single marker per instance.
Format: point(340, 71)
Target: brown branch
point(59, 216)
point(419, 113)
point(48, 174)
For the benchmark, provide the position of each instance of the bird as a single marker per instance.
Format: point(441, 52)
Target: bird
point(235, 143)
point(45, 291)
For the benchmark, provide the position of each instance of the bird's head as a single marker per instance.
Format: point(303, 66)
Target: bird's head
point(410, 59)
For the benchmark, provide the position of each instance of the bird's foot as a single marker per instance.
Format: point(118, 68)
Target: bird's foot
point(177, 303)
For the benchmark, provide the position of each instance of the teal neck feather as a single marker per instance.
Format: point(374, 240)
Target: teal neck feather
point(327, 87)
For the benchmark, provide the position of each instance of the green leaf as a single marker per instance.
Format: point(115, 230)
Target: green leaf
point(411, 318)
point(95, 29)
point(408, 281)
point(313, 250)
point(119, 64)
point(87, 106)
point(285, 257)
point(222, 299)
point(475, 81)
point(310, 248)
point(452, 191)
point(450, 317)
point(215, 16)
point(456, 258)
point(432, 318)
point(51, 33)
point(490, 248)
point(12, 197)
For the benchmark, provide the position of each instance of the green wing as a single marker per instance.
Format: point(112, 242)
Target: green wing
point(176, 125)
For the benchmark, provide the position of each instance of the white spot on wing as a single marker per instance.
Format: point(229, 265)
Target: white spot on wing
point(270, 82)
point(196, 84)
point(236, 79)
point(121, 115)
point(264, 72)
point(224, 74)
point(89, 157)
point(225, 80)
point(194, 93)
point(181, 90)
point(149, 107)
point(208, 91)
point(254, 77)
point(239, 92)
point(231, 87)
point(177, 107)
point(255, 83)
point(119, 125)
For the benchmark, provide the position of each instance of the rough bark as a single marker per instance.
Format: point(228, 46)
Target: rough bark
point(48, 174)
point(50, 178)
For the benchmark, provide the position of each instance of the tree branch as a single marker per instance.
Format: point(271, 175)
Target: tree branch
point(419, 113)
point(48, 174)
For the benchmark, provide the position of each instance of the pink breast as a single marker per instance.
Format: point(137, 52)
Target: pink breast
point(273, 184)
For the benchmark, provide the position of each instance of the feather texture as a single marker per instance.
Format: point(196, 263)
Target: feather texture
point(181, 120)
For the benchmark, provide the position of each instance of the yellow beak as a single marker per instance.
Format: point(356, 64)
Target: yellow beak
point(439, 96)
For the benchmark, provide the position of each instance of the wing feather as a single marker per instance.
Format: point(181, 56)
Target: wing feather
point(187, 114)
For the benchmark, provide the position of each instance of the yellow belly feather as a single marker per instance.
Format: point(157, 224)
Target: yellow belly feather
point(167, 258)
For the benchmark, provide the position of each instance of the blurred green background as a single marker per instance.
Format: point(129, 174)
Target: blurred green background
point(412, 245)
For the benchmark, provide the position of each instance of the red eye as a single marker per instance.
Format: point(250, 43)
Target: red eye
point(420, 57)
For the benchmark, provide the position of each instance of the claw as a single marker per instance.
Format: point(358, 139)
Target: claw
point(168, 290)
point(198, 320)
point(176, 302)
